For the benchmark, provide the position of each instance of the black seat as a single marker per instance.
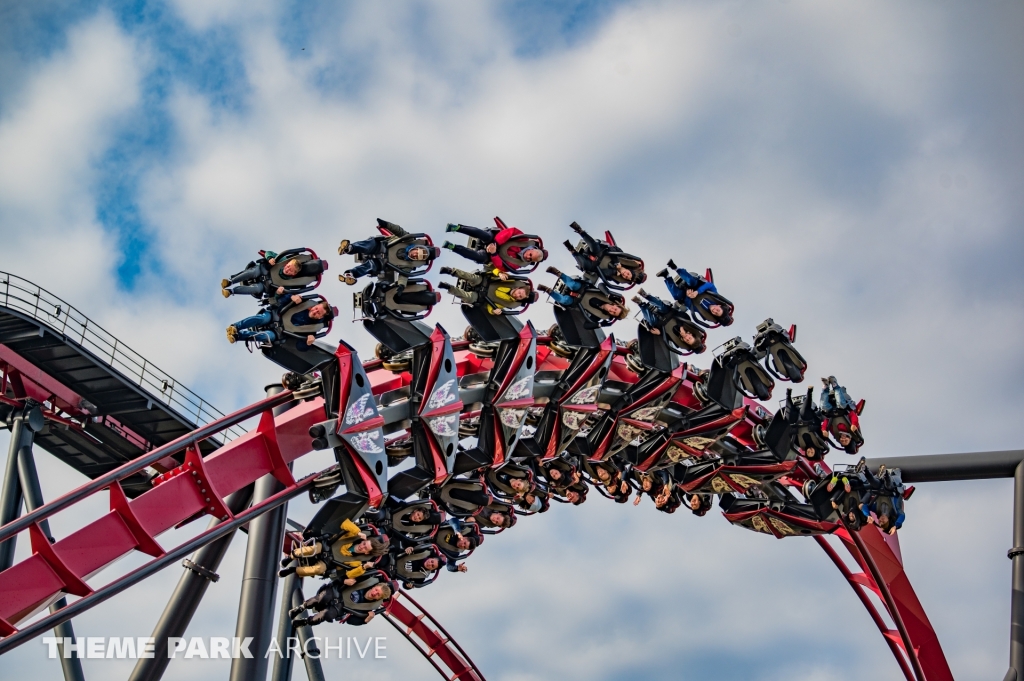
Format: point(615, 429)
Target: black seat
point(785, 362)
point(590, 301)
point(753, 380)
point(610, 274)
point(305, 329)
point(277, 278)
point(515, 263)
point(495, 478)
point(749, 377)
point(457, 507)
point(776, 344)
point(493, 284)
point(410, 530)
point(406, 267)
point(367, 581)
point(704, 317)
point(405, 310)
point(416, 578)
point(676, 325)
point(787, 431)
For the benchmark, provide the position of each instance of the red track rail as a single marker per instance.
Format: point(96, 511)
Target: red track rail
point(433, 643)
point(194, 489)
point(913, 643)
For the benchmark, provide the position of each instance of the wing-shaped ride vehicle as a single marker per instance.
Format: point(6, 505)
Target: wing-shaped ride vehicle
point(399, 297)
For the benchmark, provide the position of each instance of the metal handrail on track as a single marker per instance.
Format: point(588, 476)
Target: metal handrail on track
point(64, 320)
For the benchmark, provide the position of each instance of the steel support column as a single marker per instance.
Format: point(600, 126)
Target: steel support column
point(10, 496)
point(291, 596)
point(1016, 554)
point(33, 495)
point(199, 572)
point(259, 576)
point(310, 654)
point(282, 669)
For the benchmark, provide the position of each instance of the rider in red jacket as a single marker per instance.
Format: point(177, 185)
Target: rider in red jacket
point(492, 240)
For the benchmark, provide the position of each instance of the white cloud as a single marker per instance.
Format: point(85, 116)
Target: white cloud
point(51, 135)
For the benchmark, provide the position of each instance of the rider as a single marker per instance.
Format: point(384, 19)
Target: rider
point(840, 415)
point(352, 542)
point(700, 504)
point(502, 298)
point(328, 604)
point(492, 518)
point(293, 269)
point(656, 313)
point(590, 260)
point(491, 240)
point(616, 309)
point(375, 249)
point(689, 287)
point(806, 418)
point(884, 498)
point(253, 328)
point(456, 540)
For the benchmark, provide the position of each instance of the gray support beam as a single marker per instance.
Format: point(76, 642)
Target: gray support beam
point(282, 669)
point(1016, 553)
point(33, 494)
point(944, 467)
point(10, 495)
point(259, 576)
point(310, 653)
point(291, 596)
point(196, 578)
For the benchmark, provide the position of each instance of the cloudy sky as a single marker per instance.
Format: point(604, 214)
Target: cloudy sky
point(853, 167)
